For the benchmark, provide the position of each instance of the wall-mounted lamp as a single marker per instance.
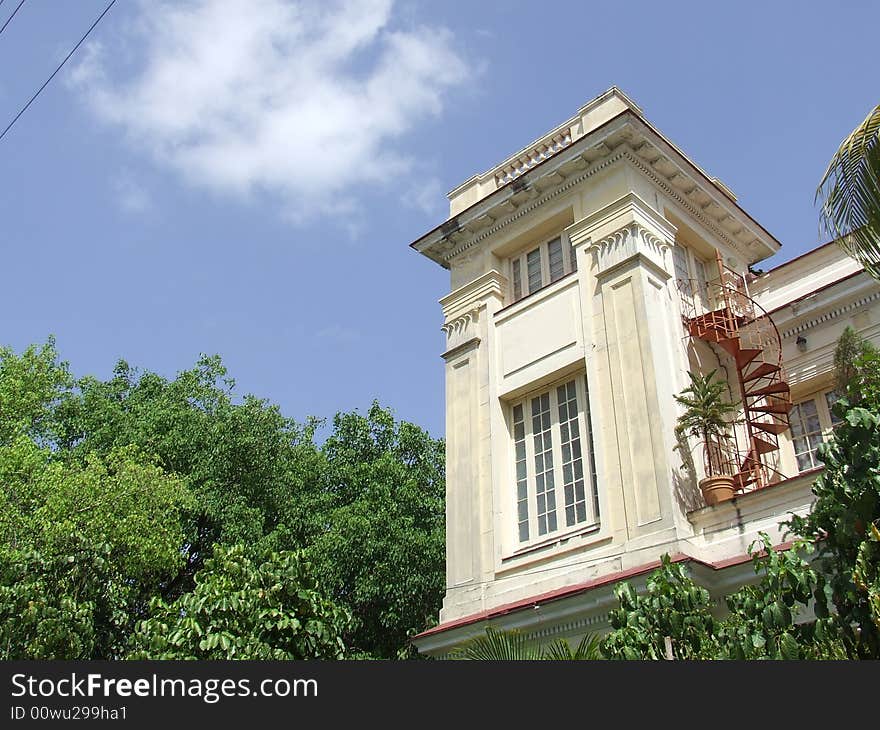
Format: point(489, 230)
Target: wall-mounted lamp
point(801, 343)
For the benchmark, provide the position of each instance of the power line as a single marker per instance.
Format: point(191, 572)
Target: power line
point(9, 20)
point(60, 65)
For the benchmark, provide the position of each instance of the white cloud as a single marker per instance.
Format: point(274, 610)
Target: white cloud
point(426, 195)
point(305, 102)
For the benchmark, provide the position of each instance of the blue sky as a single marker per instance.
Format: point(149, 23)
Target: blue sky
point(244, 178)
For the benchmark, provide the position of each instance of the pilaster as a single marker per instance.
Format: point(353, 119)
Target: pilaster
point(624, 251)
point(469, 548)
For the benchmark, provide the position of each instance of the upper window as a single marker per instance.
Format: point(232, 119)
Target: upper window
point(806, 433)
point(812, 421)
point(554, 469)
point(541, 266)
point(691, 274)
point(831, 397)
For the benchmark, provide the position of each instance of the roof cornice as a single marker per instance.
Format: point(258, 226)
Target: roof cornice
point(625, 139)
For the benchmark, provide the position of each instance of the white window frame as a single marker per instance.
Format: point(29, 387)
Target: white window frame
point(827, 422)
point(801, 421)
point(569, 264)
point(693, 275)
point(586, 427)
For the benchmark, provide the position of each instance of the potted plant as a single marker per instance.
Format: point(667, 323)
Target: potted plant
point(709, 416)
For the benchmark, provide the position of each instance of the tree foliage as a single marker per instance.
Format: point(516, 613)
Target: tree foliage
point(269, 608)
point(844, 520)
point(379, 543)
point(763, 619)
point(115, 493)
point(850, 194)
point(845, 517)
point(250, 469)
point(854, 364)
point(672, 606)
point(85, 539)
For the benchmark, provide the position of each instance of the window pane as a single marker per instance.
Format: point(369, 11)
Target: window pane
point(555, 477)
point(517, 280)
point(679, 260)
point(700, 267)
point(554, 254)
point(591, 444)
point(544, 485)
point(806, 434)
point(831, 398)
point(682, 272)
point(522, 488)
point(533, 265)
point(575, 498)
point(572, 257)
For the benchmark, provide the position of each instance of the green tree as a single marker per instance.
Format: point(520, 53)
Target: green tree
point(146, 477)
point(771, 619)
point(852, 365)
point(844, 521)
point(251, 470)
point(845, 515)
point(768, 619)
point(84, 542)
point(379, 537)
point(243, 607)
point(30, 384)
point(673, 607)
point(850, 194)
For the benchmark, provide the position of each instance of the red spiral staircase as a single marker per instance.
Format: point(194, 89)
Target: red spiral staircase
point(722, 313)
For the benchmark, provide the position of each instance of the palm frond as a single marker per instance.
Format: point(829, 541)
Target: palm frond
point(707, 411)
point(588, 649)
point(850, 194)
point(498, 646)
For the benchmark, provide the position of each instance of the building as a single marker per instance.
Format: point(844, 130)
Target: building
point(590, 272)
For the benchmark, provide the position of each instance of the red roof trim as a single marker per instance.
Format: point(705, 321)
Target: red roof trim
point(587, 586)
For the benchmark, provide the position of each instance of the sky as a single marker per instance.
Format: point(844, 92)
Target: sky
point(244, 177)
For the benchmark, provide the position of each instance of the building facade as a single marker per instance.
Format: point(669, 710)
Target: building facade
point(590, 272)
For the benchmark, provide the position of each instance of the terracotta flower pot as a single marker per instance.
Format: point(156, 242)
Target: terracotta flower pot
point(717, 489)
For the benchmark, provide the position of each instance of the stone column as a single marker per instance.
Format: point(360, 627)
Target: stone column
point(467, 312)
point(623, 250)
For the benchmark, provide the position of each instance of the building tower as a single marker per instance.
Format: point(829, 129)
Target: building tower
point(589, 273)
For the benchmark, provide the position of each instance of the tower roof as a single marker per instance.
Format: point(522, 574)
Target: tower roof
point(605, 130)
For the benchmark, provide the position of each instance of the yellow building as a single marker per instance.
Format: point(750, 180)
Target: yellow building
point(589, 273)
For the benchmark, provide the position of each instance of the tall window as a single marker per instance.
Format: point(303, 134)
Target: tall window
point(702, 277)
point(806, 433)
point(553, 462)
point(831, 398)
point(691, 274)
point(541, 266)
point(812, 422)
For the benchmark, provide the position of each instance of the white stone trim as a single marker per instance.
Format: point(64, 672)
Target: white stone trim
point(473, 294)
point(461, 329)
point(537, 203)
point(626, 228)
point(830, 314)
